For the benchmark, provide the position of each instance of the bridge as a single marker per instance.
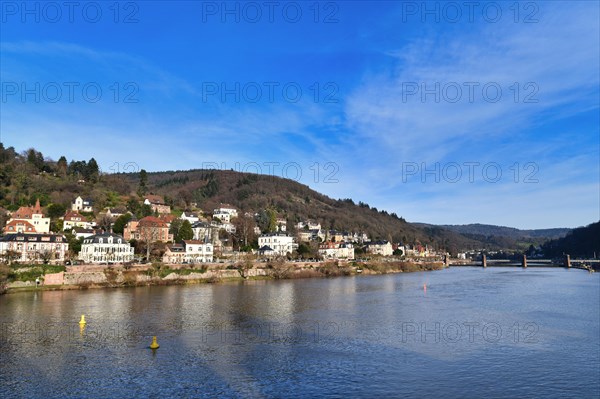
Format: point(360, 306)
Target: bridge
point(585, 264)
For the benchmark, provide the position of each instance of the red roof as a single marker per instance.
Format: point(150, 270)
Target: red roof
point(155, 199)
point(167, 218)
point(26, 212)
point(71, 215)
point(13, 227)
point(152, 221)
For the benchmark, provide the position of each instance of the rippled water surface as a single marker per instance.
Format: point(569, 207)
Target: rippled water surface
point(460, 332)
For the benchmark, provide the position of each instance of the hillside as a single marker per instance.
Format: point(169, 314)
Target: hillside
point(502, 231)
point(294, 201)
point(583, 242)
point(27, 176)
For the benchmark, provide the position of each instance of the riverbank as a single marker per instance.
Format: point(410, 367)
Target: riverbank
point(95, 276)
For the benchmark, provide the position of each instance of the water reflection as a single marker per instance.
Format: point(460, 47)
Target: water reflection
point(487, 332)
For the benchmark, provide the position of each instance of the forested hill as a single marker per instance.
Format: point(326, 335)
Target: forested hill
point(27, 176)
point(294, 201)
point(502, 231)
point(583, 242)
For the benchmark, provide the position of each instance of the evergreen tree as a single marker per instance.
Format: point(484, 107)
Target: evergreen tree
point(185, 231)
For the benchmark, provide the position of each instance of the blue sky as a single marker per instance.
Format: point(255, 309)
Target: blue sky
point(436, 111)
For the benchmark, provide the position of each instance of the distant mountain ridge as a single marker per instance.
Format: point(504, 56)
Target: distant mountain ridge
point(503, 231)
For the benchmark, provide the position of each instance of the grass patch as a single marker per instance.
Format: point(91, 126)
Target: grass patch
point(31, 272)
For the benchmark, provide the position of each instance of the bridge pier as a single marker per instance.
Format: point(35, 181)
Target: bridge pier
point(524, 261)
point(483, 260)
point(567, 260)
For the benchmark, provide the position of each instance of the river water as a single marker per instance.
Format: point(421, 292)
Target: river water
point(459, 332)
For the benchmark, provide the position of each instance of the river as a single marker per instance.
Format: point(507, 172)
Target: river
point(459, 332)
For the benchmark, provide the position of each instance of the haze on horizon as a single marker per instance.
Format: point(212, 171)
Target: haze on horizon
point(444, 115)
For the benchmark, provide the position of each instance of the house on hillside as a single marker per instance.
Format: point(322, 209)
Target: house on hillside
point(113, 213)
point(29, 215)
point(281, 225)
point(191, 217)
point(82, 205)
point(75, 219)
point(225, 213)
point(308, 225)
point(157, 204)
point(150, 229)
point(204, 231)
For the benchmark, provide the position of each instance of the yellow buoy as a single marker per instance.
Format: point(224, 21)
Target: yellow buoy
point(154, 344)
point(82, 321)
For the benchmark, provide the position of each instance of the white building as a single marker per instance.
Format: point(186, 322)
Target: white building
point(281, 225)
point(83, 205)
point(27, 216)
point(198, 251)
point(35, 248)
point(106, 248)
point(336, 250)
point(381, 247)
point(189, 251)
point(225, 213)
point(190, 217)
point(308, 225)
point(74, 219)
point(280, 243)
point(227, 226)
point(204, 231)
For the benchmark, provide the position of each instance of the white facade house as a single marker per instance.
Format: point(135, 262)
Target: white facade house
point(336, 250)
point(106, 248)
point(74, 219)
point(203, 231)
point(190, 217)
point(189, 251)
point(308, 225)
point(381, 247)
point(227, 226)
point(225, 213)
point(198, 251)
point(35, 248)
point(281, 225)
point(280, 243)
point(27, 216)
point(83, 205)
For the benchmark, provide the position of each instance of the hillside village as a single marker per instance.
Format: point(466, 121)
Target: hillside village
point(85, 234)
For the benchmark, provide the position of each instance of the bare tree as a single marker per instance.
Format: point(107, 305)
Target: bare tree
point(104, 222)
point(244, 229)
point(45, 255)
point(11, 256)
